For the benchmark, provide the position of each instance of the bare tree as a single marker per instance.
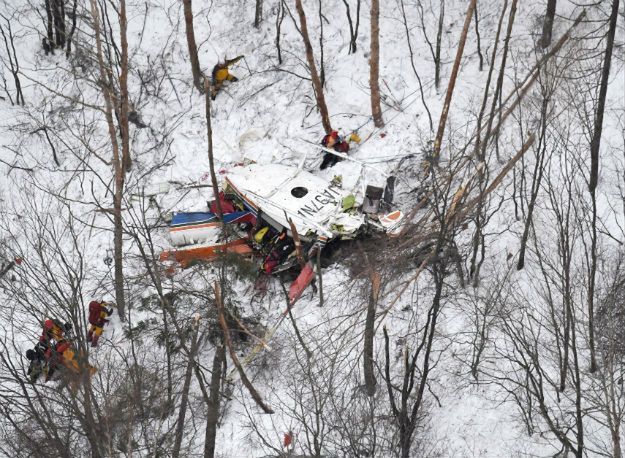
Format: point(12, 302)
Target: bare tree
point(121, 159)
point(541, 156)
point(310, 58)
point(435, 49)
point(193, 57)
point(478, 38)
point(55, 26)
point(545, 39)
point(452, 80)
point(605, 74)
point(353, 28)
point(14, 66)
point(212, 420)
point(185, 389)
point(412, 64)
point(610, 396)
point(258, 13)
point(374, 65)
point(322, 67)
point(73, 15)
point(279, 18)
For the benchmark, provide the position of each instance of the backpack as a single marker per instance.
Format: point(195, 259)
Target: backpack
point(94, 312)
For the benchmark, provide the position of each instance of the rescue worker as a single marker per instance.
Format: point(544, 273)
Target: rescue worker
point(64, 354)
point(98, 317)
point(54, 351)
point(281, 247)
point(339, 144)
point(54, 331)
point(55, 338)
point(37, 359)
point(221, 74)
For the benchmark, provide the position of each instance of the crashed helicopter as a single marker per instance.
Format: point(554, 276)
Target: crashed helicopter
point(284, 224)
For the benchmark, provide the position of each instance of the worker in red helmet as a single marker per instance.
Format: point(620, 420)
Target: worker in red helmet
point(54, 331)
point(55, 338)
point(337, 143)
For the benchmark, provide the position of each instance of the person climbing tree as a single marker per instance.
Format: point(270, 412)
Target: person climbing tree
point(98, 317)
point(339, 144)
point(221, 74)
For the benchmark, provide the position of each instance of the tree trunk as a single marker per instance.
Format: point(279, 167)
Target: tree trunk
point(322, 70)
point(368, 362)
point(123, 87)
point(73, 16)
point(595, 143)
point(14, 66)
point(478, 238)
point(118, 164)
point(212, 415)
point(233, 356)
point(195, 62)
point(479, 41)
point(353, 31)
point(120, 298)
point(279, 19)
point(185, 392)
point(374, 65)
point(211, 162)
point(537, 177)
point(452, 80)
point(320, 278)
point(480, 152)
point(50, 25)
point(124, 164)
point(616, 440)
point(58, 14)
point(591, 285)
point(437, 54)
point(258, 13)
point(316, 82)
point(414, 68)
point(545, 39)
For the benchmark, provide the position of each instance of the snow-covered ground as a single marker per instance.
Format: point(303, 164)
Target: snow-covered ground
point(55, 217)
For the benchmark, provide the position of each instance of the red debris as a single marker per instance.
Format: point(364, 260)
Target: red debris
point(288, 439)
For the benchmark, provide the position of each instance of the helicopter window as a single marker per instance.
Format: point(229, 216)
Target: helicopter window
point(299, 192)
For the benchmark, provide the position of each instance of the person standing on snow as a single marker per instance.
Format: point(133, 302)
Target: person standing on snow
point(98, 317)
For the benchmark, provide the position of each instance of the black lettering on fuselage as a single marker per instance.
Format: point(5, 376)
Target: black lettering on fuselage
point(317, 203)
point(322, 200)
point(307, 210)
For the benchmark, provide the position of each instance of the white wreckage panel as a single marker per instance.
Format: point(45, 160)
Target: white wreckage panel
point(312, 203)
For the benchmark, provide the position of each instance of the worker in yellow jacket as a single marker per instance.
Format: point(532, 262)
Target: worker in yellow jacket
point(222, 74)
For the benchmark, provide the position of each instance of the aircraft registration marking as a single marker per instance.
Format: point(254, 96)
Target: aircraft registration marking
point(320, 200)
